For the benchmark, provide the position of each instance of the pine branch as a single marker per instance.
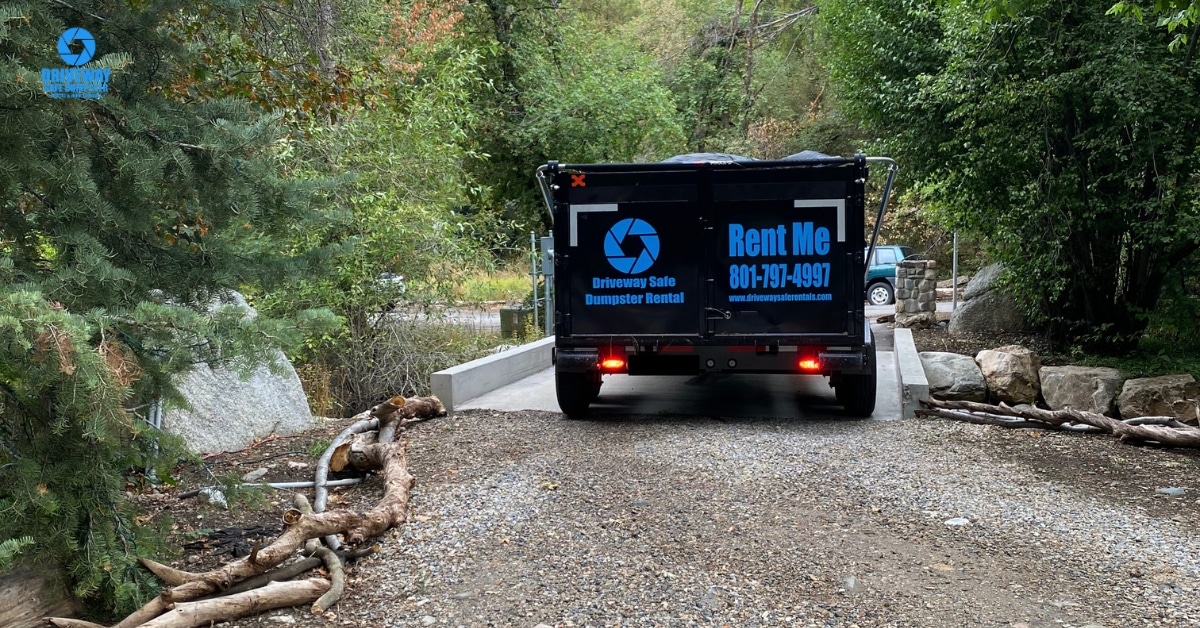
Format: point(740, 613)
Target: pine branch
point(79, 10)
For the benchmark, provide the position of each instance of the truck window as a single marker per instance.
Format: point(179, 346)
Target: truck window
point(885, 256)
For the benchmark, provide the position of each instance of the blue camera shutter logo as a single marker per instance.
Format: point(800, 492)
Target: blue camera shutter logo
point(83, 37)
point(631, 246)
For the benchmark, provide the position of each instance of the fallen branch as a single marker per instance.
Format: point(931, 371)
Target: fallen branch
point(63, 622)
point(229, 607)
point(291, 570)
point(384, 417)
point(1162, 430)
point(390, 512)
point(250, 585)
point(169, 575)
point(337, 580)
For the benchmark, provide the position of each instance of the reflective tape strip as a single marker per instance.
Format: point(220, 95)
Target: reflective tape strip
point(839, 203)
point(577, 209)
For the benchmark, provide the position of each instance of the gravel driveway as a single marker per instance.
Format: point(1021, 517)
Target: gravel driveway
point(521, 519)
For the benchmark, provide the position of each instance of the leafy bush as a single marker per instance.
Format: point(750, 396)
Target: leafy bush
point(395, 354)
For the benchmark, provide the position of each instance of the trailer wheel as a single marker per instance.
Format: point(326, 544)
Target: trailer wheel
point(856, 393)
point(576, 391)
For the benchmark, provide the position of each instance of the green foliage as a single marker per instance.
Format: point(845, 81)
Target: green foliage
point(607, 105)
point(407, 148)
point(1063, 138)
point(240, 495)
point(557, 87)
point(122, 221)
point(317, 448)
point(9, 550)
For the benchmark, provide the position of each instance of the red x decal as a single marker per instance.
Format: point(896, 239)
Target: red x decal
point(577, 181)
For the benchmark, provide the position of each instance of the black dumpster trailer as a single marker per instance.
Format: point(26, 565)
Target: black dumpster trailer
point(712, 264)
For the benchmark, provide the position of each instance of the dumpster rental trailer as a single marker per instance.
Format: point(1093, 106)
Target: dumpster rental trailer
point(712, 264)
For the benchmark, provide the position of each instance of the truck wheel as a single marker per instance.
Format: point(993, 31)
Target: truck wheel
point(575, 391)
point(856, 393)
point(880, 294)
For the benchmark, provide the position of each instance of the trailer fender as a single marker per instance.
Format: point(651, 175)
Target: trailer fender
point(576, 361)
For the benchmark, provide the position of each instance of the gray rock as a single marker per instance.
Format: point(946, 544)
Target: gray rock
point(1168, 395)
point(255, 475)
point(992, 312)
point(1173, 491)
point(1011, 373)
point(953, 377)
point(228, 412)
point(852, 584)
point(958, 521)
point(915, 320)
point(1087, 388)
point(983, 281)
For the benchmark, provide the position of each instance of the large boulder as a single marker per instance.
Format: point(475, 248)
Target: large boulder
point(1011, 373)
point(953, 377)
point(985, 308)
point(1087, 388)
point(228, 412)
point(992, 312)
point(1168, 395)
point(983, 281)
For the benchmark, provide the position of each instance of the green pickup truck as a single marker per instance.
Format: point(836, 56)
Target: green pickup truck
point(881, 273)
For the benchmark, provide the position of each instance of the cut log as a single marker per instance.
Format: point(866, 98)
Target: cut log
point(356, 442)
point(26, 596)
point(228, 607)
point(1161, 430)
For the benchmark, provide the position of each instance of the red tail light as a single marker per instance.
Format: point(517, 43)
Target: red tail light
point(810, 364)
point(612, 364)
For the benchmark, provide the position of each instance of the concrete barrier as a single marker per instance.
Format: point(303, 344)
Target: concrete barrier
point(459, 384)
point(910, 373)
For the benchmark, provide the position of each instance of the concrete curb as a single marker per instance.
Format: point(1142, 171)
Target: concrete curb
point(459, 384)
point(910, 373)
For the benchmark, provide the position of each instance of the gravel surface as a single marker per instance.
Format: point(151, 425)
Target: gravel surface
point(527, 519)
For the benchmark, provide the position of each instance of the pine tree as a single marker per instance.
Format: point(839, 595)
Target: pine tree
point(122, 219)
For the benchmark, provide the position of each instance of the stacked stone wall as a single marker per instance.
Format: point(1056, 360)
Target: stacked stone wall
point(916, 293)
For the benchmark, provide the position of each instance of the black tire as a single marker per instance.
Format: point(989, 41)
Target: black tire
point(575, 392)
point(856, 393)
point(880, 293)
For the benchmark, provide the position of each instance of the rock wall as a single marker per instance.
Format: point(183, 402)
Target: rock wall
point(916, 293)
